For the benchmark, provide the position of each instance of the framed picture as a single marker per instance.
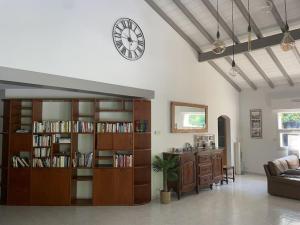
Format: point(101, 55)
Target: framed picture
point(256, 123)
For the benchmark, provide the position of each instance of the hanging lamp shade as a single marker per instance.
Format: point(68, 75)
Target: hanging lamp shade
point(287, 42)
point(234, 71)
point(218, 45)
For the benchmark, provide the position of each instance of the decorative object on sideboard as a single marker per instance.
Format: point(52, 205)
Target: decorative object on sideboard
point(169, 167)
point(188, 118)
point(256, 123)
point(205, 141)
point(128, 38)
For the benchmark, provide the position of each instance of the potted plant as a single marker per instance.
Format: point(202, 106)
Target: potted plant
point(169, 167)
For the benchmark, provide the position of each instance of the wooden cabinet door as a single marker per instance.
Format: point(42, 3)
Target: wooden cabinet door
point(19, 186)
point(104, 141)
point(188, 172)
point(122, 141)
point(51, 186)
point(217, 167)
point(113, 186)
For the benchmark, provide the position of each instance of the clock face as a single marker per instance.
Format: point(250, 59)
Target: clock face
point(128, 39)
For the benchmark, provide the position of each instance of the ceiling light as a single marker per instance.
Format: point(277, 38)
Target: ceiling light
point(234, 70)
point(287, 42)
point(249, 29)
point(218, 45)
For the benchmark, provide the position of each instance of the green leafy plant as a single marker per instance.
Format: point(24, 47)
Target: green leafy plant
point(169, 168)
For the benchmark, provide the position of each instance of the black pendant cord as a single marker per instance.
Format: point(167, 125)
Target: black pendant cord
point(286, 23)
point(218, 26)
point(233, 43)
point(249, 18)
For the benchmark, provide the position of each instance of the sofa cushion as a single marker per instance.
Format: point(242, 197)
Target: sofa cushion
point(292, 172)
point(292, 161)
point(278, 167)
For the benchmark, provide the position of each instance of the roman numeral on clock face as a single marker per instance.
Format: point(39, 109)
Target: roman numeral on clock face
point(129, 24)
point(123, 50)
point(117, 35)
point(129, 55)
point(139, 49)
point(119, 44)
point(139, 35)
point(141, 43)
point(124, 24)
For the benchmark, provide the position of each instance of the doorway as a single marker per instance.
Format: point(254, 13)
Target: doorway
point(224, 138)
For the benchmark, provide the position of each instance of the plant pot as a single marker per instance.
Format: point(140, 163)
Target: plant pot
point(165, 197)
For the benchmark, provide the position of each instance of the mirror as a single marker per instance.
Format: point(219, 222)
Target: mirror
point(188, 118)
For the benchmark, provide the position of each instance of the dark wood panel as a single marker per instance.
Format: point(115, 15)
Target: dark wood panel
point(142, 111)
point(142, 158)
point(142, 194)
point(20, 142)
point(104, 141)
point(37, 109)
point(112, 186)
point(51, 186)
point(122, 141)
point(142, 175)
point(142, 141)
point(19, 186)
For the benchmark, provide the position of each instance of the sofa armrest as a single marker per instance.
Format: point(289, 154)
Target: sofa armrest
point(285, 180)
point(267, 170)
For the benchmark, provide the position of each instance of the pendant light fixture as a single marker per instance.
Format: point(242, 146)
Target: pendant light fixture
point(249, 29)
point(287, 42)
point(218, 45)
point(234, 71)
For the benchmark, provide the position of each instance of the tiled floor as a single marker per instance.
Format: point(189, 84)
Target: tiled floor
point(242, 203)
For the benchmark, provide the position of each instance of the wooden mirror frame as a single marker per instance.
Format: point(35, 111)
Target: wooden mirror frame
point(197, 130)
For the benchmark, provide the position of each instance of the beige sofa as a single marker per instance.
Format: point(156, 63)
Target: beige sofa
point(284, 177)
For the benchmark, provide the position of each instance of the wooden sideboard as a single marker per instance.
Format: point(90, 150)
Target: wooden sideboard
point(197, 170)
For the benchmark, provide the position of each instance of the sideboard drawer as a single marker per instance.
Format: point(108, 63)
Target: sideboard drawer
point(205, 180)
point(202, 159)
point(205, 169)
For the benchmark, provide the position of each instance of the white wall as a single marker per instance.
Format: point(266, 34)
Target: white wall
point(73, 38)
point(256, 152)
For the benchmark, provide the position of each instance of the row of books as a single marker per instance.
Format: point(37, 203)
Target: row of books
point(83, 127)
point(41, 141)
point(41, 162)
point(118, 127)
point(83, 159)
point(41, 152)
point(122, 160)
point(19, 162)
point(61, 161)
point(52, 126)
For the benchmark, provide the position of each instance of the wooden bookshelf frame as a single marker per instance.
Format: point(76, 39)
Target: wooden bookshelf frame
point(27, 186)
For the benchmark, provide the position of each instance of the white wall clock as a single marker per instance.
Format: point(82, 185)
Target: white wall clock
point(128, 38)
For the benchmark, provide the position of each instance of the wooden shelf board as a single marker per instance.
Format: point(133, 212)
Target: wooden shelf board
point(113, 121)
point(140, 185)
point(114, 110)
point(49, 133)
point(82, 178)
point(84, 116)
point(41, 147)
point(142, 149)
point(142, 167)
point(83, 132)
point(113, 150)
point(82, 202)
point(147, 132)
point(82, 167)
point(114, 133)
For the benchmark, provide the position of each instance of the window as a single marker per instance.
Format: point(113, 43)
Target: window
point(194, 119)
point(289, 129)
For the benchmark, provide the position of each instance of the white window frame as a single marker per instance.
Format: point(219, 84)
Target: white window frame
point(282, 131)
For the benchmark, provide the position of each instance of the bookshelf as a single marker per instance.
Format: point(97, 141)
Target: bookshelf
point(76, 152)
